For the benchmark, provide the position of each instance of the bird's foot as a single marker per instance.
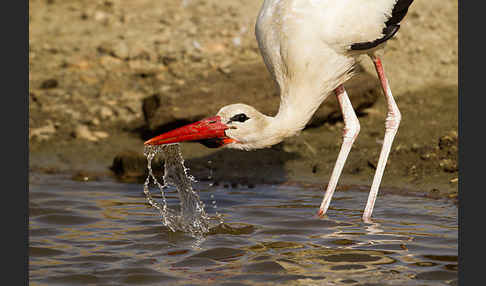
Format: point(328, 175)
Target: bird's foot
point(367, 219)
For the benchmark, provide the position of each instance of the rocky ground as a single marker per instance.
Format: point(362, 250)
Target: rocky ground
point(106, 75)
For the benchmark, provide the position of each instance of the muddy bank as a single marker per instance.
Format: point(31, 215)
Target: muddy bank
point(105, 76)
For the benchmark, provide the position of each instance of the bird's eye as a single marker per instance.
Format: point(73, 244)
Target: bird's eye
point(239, 117)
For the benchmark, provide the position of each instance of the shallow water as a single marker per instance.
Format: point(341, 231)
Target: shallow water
point(105, 233)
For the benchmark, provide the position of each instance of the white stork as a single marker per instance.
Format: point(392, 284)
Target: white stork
point(310, 47)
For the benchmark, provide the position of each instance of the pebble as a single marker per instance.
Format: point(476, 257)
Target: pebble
point(50, 83)
point(121, 50)
point(95, 121)
point(448, 141)
point(106, 112)
point(215, 48)
point(80, 64)
point(99, 16)
point(42, 133)
point(110, 62)
point(82, 132)
point(448, 165)
point(101, 134)
point(237, 41)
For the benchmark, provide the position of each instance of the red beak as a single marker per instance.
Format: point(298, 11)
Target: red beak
point(209, 131)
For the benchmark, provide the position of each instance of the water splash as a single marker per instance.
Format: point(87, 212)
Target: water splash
point(192, 217)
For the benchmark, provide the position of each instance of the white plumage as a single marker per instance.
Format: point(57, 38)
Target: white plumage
point(305, 45)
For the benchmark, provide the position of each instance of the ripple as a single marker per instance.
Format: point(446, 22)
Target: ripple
point(195, 262)
point(267, 277)
point(350, 257)
point(139, 279)
point(96, 258)
point(42, 251)
point(436, 275)
point(74, 279)
point(272, 237)
point(347, 267)
point(264, 267)
point(44, 232)
point(310, 223)
point(221, 253)
point(444, 258)
point(63, 219)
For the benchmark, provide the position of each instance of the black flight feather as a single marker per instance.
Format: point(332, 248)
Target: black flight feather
point(391, 26)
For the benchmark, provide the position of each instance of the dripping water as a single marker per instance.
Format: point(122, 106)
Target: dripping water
point(211, 185)
point(192, 217)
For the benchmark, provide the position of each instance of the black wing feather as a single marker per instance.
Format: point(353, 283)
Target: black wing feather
point(391, 26)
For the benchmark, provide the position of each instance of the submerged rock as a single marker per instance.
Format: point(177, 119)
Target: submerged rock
point(132, 166)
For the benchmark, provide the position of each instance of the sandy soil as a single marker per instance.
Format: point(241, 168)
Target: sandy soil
point(93, 63)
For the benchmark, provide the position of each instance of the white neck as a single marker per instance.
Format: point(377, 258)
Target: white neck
point(295, 111)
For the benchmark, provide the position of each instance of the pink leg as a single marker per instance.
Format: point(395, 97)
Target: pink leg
point(391, 126)
point(351, 130)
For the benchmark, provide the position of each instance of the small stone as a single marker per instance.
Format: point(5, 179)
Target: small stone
point(140, 51)
point(225, 63)
point(50, 83)
point(372, 164)
point(215, 48)
point(42, 133)
point(81, 64)
point(160, 76)
point(434, 193)
point(83, 132)
point(237, 41)
point(101, 134)
point(99, 16)
point(415, 147)
point(224, 67)
point(110, 62)
point(224, 70)
point(446, 142)
point(448, 165)
point(452, 196)
point(428, 156)
point(95, 121)
point(84, 177)
point(137, 64)
point(105, 112)
point(121, 51)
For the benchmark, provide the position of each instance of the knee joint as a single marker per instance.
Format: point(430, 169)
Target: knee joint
point(351, 130)
point(393, 120)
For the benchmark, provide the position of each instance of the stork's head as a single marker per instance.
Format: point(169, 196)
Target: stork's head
point(238, 126)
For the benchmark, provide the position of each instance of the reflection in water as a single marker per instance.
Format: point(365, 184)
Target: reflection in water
point(102, 233)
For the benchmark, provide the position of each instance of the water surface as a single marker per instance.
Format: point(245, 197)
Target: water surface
point(105, 233)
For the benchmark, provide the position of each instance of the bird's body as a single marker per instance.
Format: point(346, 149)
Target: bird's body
point(310, 47)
